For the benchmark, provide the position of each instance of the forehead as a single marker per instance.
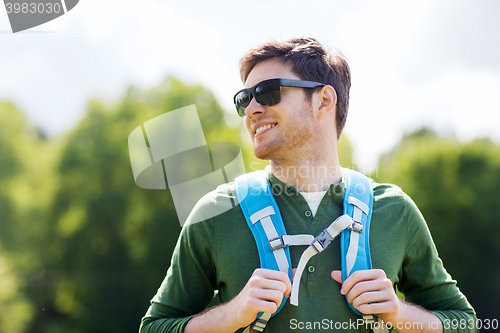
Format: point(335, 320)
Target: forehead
point(270, 69)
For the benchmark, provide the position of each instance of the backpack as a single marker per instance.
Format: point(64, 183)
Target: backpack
point(264, 220)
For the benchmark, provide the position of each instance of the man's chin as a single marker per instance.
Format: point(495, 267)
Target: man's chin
point(263, 154)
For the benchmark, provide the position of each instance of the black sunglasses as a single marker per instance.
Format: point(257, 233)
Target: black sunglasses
point(268, 92)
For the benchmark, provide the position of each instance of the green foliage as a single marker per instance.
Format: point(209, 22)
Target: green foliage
point(20, 149)
point(344, 151)
point(456, 188)
point(110, 241)
point(83, 248)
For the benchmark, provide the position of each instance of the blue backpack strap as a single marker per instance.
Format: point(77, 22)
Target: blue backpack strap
point(355, 244)
point(260, 209)
point(262, 214)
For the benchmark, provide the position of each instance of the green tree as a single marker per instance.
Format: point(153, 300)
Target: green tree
point(82, 247)
point(109, 242)
point(20, 162)
point(456, 188)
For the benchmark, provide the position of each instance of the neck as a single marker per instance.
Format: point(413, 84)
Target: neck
point(311, 173)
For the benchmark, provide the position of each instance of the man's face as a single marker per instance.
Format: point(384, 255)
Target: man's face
point(291, 121)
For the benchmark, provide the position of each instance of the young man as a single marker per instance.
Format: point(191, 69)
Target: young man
point(297, 129)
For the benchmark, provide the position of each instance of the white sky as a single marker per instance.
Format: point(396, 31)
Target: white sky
point(413, 63)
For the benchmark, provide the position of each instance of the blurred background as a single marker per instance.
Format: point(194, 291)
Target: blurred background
point(83, 249)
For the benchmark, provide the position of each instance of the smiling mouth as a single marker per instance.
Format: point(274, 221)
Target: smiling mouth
point(263, 128)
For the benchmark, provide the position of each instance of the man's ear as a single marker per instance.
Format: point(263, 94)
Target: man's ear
point(327, 101)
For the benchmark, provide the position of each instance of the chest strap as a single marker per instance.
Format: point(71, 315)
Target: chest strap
point(264, 219)
point(318, 244)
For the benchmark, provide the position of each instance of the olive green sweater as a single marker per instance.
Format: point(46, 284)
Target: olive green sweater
point(219, 253)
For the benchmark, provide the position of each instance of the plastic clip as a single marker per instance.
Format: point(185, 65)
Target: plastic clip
point(356, 227)
point(322, 241)
point(258, 325)
point(277, 243)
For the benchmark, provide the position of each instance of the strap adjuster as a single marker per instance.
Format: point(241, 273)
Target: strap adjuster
point(258, 325)
point(277, 243)
point(356, 227)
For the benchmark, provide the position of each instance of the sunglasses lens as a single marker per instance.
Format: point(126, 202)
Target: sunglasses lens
point(268, 93)
point(242, 101)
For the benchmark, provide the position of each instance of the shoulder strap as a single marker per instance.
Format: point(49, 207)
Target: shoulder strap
point(264, 220)
point(354, 243)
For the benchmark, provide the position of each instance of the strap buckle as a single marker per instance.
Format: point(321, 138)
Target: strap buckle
point(258, 325)
point(322, 241)
point(277, 243)
point(356, 227)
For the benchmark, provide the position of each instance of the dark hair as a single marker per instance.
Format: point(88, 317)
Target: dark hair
point(311, 62)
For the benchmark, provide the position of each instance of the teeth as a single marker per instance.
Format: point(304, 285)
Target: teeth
point(260, 129)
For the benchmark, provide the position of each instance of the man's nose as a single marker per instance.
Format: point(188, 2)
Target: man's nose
point(254, 108)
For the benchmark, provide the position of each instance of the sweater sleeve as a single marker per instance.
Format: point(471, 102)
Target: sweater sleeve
point(425, 281)
point(189, 283)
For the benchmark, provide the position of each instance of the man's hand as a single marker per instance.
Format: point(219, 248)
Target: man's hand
point(371, 292)
point(263, 293)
